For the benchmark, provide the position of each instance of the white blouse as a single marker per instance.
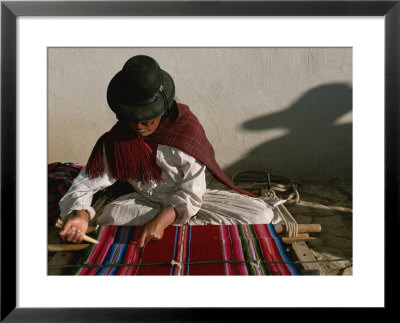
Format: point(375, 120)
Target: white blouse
point(183, 187)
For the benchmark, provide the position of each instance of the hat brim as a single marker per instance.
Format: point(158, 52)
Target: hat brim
point(142, 112)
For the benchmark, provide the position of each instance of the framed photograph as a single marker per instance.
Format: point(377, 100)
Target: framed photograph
point(36, 35)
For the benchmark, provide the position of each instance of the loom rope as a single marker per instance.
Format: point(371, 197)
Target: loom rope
point(261, 181)
point(178, 264)
point(94, 265)
point(255, 180)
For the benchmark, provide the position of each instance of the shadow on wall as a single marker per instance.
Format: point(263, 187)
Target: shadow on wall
point(316, 146)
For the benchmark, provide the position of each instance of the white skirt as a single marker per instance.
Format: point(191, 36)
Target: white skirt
point(218, 207)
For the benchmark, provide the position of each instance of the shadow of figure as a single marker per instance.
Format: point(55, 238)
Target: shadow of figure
point(316, 146)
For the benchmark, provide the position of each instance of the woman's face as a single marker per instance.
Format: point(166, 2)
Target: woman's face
point(144, 129)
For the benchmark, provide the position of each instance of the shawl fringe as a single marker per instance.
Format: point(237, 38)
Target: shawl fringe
point(129, 158)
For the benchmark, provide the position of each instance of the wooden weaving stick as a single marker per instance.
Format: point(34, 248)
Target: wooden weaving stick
point(302, 228)
point(60, 223)
point(67, 247)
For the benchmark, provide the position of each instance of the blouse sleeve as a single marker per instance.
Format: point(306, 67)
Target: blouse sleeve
point(80, 194)
point(188, 197)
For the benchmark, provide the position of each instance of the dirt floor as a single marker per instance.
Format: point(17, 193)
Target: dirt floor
point(328, 204)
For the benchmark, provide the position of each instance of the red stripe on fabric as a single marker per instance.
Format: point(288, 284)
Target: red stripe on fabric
point(178, 249)
point(206, 245)
point(183, 252)
point(270, 250)
point(128, 259)
point(185, 244)
point(227, 250)
point(237, 250)
point(159, 252)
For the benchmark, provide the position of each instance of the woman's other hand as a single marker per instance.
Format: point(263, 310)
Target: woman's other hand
point(75, 227)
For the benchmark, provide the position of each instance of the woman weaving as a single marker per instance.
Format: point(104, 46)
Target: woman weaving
point(159, 147)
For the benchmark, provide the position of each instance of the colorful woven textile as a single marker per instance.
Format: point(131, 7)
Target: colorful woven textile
point(60, 178)
point(190, 250)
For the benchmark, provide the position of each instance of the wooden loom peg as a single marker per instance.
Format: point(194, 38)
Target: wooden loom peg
point(60, 223)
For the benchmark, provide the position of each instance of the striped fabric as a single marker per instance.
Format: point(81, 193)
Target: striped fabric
point(190, 250)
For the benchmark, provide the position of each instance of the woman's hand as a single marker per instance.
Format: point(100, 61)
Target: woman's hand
point(151, 231)
point(154, 229)
point(75, 227)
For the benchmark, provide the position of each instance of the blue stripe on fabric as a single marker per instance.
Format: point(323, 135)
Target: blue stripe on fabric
point(293, 269)
point(118, 234)
point(188, 249)
point(175, 248)
point(124, 247)
point(107, 259)
point(119, 259)
point(111, 253)
point(128, 236)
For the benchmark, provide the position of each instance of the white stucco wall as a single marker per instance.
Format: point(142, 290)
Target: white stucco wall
point(287, 111)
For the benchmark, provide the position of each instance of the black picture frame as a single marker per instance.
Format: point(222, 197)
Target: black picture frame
point(10, 10)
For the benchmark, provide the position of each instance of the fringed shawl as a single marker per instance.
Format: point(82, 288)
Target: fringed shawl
point(133, 157)
point(127, 155)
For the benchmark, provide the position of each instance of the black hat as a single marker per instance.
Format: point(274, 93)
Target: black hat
point(141, 91)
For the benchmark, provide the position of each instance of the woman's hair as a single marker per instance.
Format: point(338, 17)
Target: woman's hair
point(172, 113)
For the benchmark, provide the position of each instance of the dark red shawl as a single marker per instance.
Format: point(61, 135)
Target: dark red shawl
point(131, 156)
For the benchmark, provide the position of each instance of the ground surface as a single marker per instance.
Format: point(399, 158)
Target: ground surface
point(328, 204)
